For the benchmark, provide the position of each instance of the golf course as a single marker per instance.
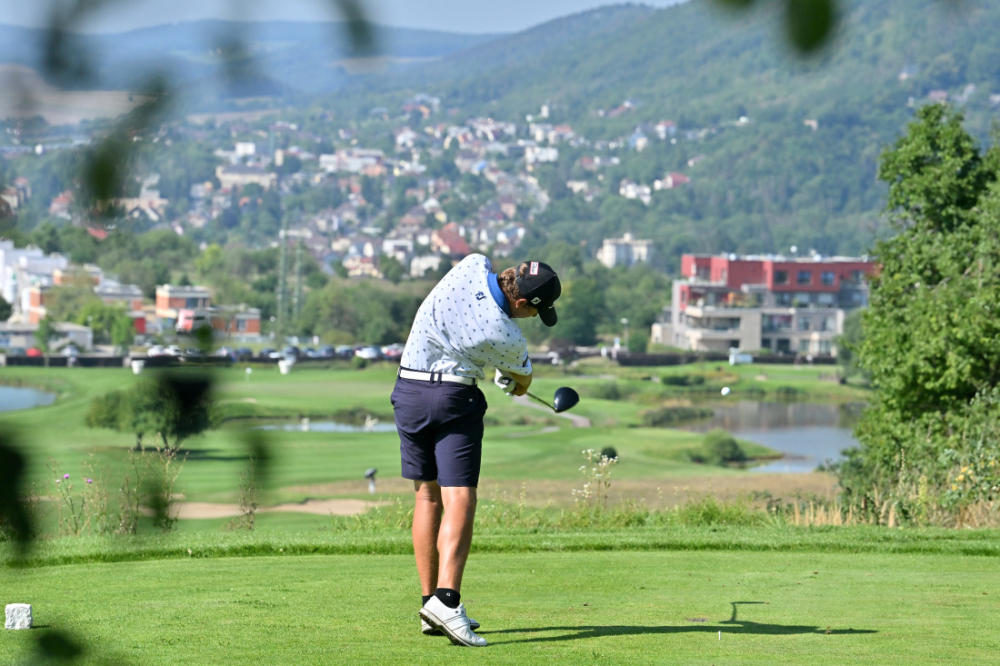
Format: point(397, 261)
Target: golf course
point(672, 559)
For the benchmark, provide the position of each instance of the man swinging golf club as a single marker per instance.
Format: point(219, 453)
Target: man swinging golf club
point(465, 324)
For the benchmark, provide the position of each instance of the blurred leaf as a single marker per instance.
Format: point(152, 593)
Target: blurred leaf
point(203, 339)
point(810, 23)
point(59, 647)
point(189, 390)
point(360, 31)
point(259, 450)
point(14, 514)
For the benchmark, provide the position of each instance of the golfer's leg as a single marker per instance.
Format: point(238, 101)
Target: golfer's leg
point(455, 537)
point(426, 523)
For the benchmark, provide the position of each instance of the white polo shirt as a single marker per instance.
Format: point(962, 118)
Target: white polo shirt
point(460, 328)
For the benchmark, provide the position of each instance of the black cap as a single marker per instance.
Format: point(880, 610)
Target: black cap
point(541, 286)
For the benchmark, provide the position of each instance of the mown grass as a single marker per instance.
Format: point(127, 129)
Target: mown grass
point(613, 607)
point(515, 448)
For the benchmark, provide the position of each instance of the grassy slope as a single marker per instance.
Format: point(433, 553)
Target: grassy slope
point(601, 607)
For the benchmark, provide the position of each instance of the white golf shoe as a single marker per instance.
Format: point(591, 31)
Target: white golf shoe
point(452, 622)
point(428, 630)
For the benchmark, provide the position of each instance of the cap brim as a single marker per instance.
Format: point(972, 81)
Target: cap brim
point(548, 316)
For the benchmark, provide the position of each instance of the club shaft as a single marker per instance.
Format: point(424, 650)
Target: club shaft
point(532, 395)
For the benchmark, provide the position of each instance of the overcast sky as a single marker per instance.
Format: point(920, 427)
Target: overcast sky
point(473, 16)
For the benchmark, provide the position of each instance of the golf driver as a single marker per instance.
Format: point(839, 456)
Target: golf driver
point(565, 398)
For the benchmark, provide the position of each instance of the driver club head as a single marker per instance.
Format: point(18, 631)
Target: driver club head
point(565, 398)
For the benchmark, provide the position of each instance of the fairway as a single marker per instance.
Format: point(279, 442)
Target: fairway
point(570, 608)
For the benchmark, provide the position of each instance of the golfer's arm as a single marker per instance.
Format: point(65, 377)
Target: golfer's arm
point(523, 383)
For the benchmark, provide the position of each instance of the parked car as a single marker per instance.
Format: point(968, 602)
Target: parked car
point(156, 350)
point(173, 350)
point(276, 355)
point(344, 351)
point(291, 352)
point(70, 351)
point(392, 351)
point(193, 352)
point(368, 353)
point(243, 353)
point(326, 351)
point(35, 352)
point(265, 352)
point(16, 351)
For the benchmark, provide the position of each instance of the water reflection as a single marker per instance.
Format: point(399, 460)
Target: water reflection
point(331, 426)
point(12, 399)
point(809, 434)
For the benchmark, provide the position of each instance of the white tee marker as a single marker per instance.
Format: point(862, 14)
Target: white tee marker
point(725, 391)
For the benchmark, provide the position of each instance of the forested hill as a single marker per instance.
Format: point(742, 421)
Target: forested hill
point(758, 186)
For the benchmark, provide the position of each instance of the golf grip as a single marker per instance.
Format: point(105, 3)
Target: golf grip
point(532, 395)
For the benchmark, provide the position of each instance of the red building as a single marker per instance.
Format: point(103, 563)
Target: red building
point(773, 303)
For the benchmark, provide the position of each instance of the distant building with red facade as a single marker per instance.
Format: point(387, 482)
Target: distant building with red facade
point(763, 303)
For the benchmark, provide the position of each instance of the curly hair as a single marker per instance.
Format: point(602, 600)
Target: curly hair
point(508, 281)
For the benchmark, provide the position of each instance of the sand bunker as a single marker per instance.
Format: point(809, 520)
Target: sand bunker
point(318, 507)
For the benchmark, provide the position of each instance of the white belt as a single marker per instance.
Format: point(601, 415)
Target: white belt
point(435, 377)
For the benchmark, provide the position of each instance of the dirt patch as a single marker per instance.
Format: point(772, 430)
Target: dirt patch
point(577, 421)
point(327, 507)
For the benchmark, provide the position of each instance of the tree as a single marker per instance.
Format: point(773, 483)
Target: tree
point(171, 408)
point(44, 334)
point(930, 332)
point(5, 309)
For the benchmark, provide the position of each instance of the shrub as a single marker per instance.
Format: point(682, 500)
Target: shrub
point(611, 391)
point(609, 452)
point(670, 416)
point(106, 410)
point(722, 449)
point(683, 380)
point(359, 363)
point(787, 393)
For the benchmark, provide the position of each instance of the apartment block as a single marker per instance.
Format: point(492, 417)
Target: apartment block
point(763, 303)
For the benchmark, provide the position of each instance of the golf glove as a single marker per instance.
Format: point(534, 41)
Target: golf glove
point(505, 381)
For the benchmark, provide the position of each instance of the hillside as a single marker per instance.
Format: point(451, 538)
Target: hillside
point(759, 186)
point(277, 57)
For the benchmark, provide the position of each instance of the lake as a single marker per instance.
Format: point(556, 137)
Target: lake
point(12, 399)
point(809, 434)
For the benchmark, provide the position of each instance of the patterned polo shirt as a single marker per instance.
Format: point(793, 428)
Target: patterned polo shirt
point(463, 326)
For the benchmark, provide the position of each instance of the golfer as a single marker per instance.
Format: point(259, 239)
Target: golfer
point(465, 324)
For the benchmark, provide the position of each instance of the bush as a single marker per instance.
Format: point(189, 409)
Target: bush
point(670, 416)
point(788, 393)
point(105, 411)
point(359, 363)
point(609, 452)
point(722, 449)
point(683, 380)
point(611, 391)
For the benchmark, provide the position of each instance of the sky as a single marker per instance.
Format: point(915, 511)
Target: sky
point(469, 16)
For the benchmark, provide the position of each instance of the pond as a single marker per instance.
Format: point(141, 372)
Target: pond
point(332, 426)
point(809, 434)
point(12, 399)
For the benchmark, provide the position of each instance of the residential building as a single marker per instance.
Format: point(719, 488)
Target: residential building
point(241, 176)
point(624, 251)
point(773, 303)
point(632, 190)
point(21, 335)
point(170, 299)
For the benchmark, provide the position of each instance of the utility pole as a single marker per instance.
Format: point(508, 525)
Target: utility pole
point(282, 287)
point(297, 298)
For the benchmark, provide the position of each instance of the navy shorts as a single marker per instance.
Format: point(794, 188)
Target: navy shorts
point(440, 428)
